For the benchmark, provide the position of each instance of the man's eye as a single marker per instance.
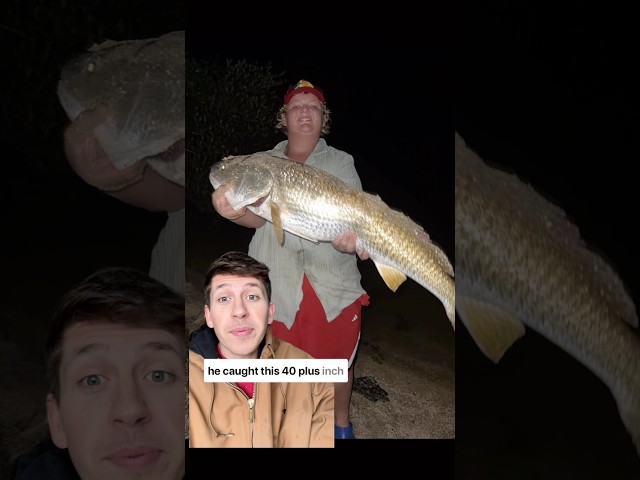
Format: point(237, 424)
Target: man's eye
point(252, 297)
point(92, 380)
point(160, 376)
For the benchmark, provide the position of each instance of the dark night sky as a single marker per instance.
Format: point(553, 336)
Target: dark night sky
point(552, 97)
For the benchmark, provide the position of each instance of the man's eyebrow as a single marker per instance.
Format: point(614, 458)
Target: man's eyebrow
point(90, 348)
point(96, 346)
point(160, 346)
point(248, 284)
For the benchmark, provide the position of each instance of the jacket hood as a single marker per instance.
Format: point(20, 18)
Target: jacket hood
point(204, 342)
point(44, 461)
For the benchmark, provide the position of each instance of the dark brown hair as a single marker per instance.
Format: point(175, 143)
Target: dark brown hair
point(119, 295)
point(241, 265)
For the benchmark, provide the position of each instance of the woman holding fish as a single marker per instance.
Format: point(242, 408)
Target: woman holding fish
point(317, 289)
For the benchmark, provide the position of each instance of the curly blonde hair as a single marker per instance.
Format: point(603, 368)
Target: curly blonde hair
point(326, 120)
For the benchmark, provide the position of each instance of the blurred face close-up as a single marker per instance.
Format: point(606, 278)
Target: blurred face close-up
point(304, 114)
point(239, 312)
point(121, 406)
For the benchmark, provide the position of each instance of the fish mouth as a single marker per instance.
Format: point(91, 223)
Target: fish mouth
point(94, 127)
point(170, 154)
point(260, 201)
point(170, 162)
point(70, 98)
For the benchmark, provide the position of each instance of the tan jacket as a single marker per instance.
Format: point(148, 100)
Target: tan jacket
point(284, 414)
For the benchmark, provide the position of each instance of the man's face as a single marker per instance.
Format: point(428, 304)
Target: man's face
point(304, 114)
point(239, 312)
point(121, 406)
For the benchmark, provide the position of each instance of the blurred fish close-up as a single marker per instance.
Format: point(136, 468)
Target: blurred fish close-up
point(128, 96)
point(521, 263)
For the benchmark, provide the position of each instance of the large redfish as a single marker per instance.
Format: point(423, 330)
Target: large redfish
point(319, 207)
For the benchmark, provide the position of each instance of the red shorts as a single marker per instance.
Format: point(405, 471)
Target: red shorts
point(320, 338)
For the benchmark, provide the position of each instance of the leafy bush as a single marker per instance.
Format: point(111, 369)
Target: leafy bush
point(231, 110)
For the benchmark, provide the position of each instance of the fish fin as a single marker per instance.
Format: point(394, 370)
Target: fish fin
point(392, 277)
point(493, 329)
point(277, 222)
point(276, 219)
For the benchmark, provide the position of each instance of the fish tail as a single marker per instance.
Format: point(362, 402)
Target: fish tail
point(451, 314)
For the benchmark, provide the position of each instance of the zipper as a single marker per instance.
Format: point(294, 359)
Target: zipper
point(252, 402)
